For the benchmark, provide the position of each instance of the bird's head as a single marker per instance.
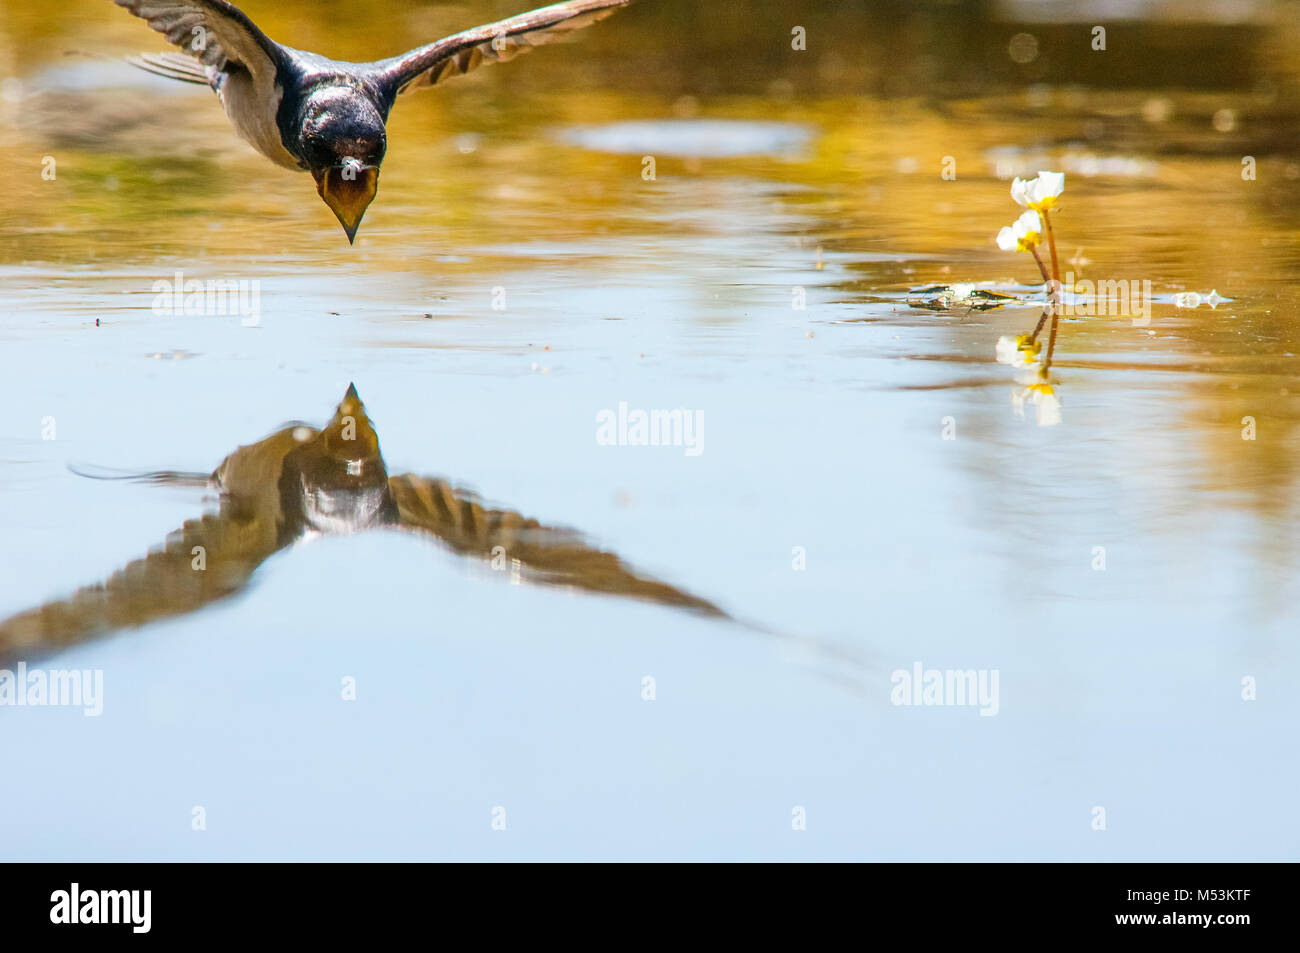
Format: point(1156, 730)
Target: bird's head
point(342, 144)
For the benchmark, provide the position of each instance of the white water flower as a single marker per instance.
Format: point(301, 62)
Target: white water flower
point(1038, 194)
point(1022, 235)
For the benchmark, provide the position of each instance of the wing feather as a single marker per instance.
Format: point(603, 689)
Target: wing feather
point(167, 582)
point(492, 43)
point(216, 33)
point(554, 556)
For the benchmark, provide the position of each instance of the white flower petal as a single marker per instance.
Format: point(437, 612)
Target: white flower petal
point(1007, 239)
point(1028, 222)
point(1020, 192)
point(1051, 183)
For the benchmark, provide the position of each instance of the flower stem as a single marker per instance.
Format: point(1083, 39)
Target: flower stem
point(1051, 291)
point(1051, 243)
point(1041, 267)
point(1039, 326)
point(1051, 342)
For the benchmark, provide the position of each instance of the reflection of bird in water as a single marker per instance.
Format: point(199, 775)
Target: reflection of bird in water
point(306, 112)
point(301, 482)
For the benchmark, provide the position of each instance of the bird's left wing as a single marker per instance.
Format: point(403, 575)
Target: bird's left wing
point(492, 43)
point(548, 555)
point(214, 32)
point(206, 560)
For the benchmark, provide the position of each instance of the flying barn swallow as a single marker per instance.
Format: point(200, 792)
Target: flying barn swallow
point(303, 482)
point(305, 112)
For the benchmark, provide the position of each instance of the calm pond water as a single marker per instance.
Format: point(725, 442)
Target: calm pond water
point(867, 490)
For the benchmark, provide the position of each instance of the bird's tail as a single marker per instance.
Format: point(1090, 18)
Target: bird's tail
point(175, 66)
point(156, 477)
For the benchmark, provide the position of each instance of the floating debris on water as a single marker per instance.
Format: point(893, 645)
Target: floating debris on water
point(964, 296)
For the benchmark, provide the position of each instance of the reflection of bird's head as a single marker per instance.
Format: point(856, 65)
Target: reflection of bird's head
point(350, 436)
point(338, 474)
point(342, 142)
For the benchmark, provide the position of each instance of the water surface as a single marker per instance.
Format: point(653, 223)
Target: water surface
point(517, 275)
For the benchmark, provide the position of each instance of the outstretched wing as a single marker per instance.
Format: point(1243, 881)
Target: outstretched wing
point(206, 560)
point(491, 43)
point(548, 555)
point(216, 33)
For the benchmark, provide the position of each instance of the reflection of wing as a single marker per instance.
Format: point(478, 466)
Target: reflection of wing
point(177, 579)
point(557, 557)
point(492, 43)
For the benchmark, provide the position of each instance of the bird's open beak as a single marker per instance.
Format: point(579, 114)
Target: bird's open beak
point(348, 189)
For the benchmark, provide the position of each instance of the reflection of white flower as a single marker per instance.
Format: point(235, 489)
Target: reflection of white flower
point(1016, 351)
point(1023, 235)
point(1041, 193)
point(1049, 406)
point(1040, 395)
point(1191, 299)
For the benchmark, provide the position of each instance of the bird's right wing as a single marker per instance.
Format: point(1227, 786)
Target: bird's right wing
point(216, 33)
point(548, 555)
